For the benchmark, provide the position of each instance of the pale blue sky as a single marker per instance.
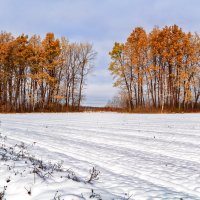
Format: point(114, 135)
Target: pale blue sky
point(100, 22)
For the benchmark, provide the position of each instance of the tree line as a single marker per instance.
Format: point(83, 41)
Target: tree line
point(42, 74)
point(159, 69)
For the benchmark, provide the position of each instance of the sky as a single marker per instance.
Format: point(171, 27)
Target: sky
point(99, 22)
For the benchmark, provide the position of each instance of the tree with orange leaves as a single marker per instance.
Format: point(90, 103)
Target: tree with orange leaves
point(162, 66)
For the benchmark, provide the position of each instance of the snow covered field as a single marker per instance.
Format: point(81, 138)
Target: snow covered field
point(139, 156)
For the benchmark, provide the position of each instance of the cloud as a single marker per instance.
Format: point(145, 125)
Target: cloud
point(99, 22)
point(98, 94)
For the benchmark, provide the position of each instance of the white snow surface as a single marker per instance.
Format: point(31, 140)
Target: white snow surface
point(140, 156)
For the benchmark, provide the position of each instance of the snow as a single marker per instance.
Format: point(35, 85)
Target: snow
point(139, 156)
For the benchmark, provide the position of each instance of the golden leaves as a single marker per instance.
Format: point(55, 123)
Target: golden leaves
point(166, 58)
